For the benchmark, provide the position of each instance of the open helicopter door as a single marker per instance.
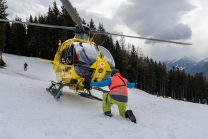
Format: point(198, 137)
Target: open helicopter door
point(86, 54)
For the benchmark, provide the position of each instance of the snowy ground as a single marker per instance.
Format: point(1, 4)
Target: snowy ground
point(27, 111)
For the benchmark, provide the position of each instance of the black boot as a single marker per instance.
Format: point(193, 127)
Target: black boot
point(108, 113)
point(129, 114)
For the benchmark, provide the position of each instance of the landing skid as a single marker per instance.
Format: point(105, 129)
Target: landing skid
point(55, 89)
point(100, 89)
point(88, 94)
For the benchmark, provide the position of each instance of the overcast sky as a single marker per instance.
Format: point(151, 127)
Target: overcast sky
point(176, 20)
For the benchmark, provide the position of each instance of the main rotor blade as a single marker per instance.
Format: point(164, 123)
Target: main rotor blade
point(72, 13)
point(106, 33)
point(41, 25)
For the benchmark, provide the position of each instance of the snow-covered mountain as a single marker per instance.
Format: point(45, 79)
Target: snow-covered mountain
point(201, 66)
point(183, 63)
point(28, 111)
point(189, 64)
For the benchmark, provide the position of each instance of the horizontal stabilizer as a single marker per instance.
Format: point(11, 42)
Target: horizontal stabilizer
point(45, 60)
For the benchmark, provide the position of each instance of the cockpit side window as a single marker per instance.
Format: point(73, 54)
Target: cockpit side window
point(69, 55)
point(66, 56)
point(63, 57)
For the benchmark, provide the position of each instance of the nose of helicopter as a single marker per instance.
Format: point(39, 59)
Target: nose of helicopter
point(101, 67)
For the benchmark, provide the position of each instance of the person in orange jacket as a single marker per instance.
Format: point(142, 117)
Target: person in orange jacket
point(118, 94)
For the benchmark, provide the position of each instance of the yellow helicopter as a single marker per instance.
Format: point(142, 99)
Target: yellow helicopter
point(79, 60)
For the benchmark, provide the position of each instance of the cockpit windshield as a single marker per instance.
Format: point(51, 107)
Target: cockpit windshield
point(108, 56)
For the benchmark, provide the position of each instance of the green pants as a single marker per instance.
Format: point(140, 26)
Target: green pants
point(107, 100)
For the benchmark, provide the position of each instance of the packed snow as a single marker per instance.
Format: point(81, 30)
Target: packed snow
point(28, 111)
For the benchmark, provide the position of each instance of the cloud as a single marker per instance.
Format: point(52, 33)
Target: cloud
point(25, 8)
point(158, 19)
point(164, 51)
point(178, 32)
point(101, 12)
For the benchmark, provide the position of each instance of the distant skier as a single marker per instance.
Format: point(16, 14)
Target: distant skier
point(158, 94)
point(25, 66)
point(118, 94)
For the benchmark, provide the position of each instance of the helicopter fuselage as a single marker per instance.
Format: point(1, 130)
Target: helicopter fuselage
point(79, 60)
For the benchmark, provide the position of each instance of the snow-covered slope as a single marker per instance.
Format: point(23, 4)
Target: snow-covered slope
point(29, 112)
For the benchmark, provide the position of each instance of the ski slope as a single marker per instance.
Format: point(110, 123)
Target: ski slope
point(28, 111)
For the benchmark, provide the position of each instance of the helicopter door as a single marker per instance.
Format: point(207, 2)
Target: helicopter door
point(85, 52)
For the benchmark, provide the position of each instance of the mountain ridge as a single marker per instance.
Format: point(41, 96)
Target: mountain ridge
point(189, 64)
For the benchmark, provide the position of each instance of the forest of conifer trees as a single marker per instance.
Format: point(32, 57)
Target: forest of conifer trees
point(151, 76)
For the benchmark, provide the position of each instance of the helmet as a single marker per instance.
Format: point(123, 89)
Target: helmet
point(114, 71)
